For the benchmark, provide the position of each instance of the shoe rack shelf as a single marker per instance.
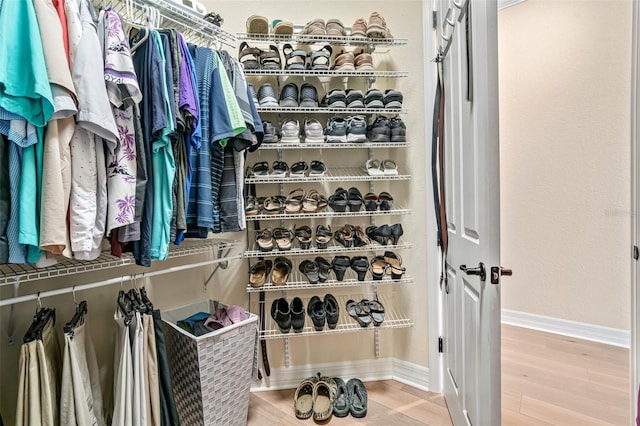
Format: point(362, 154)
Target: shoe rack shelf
point(329, 73)
point(331, 145)
point(339, 174)
point(394, 317)
point(298, 282)
point(332, 110)
point(398, 210)
point(18, 273)
point(253, 250)
point(324, 39)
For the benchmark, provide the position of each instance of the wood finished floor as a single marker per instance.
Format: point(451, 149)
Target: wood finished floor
point(547, 379)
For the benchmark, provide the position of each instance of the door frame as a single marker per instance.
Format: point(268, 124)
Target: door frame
point(432, 255)
point(634, 362)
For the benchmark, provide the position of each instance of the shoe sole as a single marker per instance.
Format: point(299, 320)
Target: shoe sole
point(268, 101)
point(393, 104)
point(356, 138)
point(366, 67)
point(270, 140)
point(398, 138)
point(337, 138)
point(316, 139)
point(290, 139)
point(309, 103)
point(374, 104)
point(345, 67)
point(338, 104)
point(379, 138)
point(288, 103)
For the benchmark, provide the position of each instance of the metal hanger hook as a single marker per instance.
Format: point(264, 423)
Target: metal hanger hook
point(73, 292)
point(38, 301)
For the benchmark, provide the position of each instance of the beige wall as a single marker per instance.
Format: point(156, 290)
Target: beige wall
point(405, 20)
point(565, 159)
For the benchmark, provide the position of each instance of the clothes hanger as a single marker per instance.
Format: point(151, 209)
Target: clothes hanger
point(145, 300)
point(125, 307)
point(40, 320)
point(78, 318)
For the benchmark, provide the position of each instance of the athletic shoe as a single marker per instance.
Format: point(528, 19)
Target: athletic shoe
point(334, 27)
point(377, 26)
point(314, 27)
point(355, 99)
point(267, 95)
point(308, 96)
point(289, 95)
point(356, 129)
point(398, 130)
point(392, 98)
point(290, 131)
point(336, 130)
point(271, 132)
point(252, 91)
point(359, 28)
point(335, 98)
point(374, 99)
point(313, 131)
point(379, 130)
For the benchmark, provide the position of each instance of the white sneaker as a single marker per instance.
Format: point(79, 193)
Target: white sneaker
point(290, 131)
point(313, 131)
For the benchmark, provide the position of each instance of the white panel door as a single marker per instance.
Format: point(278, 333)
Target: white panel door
point(471, 305)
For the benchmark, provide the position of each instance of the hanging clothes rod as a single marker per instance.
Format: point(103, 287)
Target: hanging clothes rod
point(117, 280)
point(192, 26)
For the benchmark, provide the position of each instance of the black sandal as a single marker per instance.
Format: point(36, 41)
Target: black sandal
point(299, 169)
point(338, 201)
point(303, 234)
point(376, 311)
point(323, 236)
point(280, 168)
point(283, 238)
point(260, 169)
point(324, 267)
point(339, 264)
point(310, 270)
point(249, 56)
point(264, 239)
point(293, 203)
point(318, 168)
point(270, 59)
point(359, 311)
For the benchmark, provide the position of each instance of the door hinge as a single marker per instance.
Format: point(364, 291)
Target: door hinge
point(440, 345)
point(636, 252)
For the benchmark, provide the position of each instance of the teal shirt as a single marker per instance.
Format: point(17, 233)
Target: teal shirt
point(164, 169)
point(24, 83)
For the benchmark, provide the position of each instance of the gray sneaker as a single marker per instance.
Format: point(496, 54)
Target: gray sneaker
point(355, 99)
point(398, 130)
point(267, 95)
point(356, 129)
point(335, 98)
point(313, 131)
point(374, 99)
point(290, 131)
point(289, 95)
point(252, 93)
point(336, 130)
point(393, 98)
point(271, 133)
point(308, 96)
point(379, 130)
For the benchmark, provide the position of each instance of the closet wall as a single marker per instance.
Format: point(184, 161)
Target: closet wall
point(172, 290)
point(405, 20)
point(565, 159)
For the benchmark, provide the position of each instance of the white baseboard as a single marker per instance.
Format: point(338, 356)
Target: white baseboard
point(366, 370)
point(580, 330)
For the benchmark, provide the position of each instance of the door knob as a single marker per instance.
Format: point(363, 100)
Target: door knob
point(479, 271)
point(497, 272)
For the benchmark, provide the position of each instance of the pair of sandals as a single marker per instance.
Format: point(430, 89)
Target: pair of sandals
point(316, 169)
point(351, 236)
point(279, 269)
point(304, 236)
point(366, 312)
point(253, 58)
point(340, 264)
point(316, 270)
point(342, 198)
point(388, 263)
point(299, 201)
point(281, 168)
point(280, 238)
point(382, 201)
point(381, 168)
point(314, 397)
point(299, 59)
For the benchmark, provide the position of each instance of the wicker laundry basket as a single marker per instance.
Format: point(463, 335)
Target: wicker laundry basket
point(211, 373)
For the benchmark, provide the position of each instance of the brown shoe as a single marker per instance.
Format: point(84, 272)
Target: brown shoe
point(315, 27)
point(344, 62)
point(359, 28)
point(363, 61)
point(377, 27)
point(335, 27)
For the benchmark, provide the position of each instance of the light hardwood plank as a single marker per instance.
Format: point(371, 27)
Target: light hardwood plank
point(547, 380)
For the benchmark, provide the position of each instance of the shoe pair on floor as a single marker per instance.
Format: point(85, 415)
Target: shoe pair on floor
point(278, 270)
point(322, 397)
